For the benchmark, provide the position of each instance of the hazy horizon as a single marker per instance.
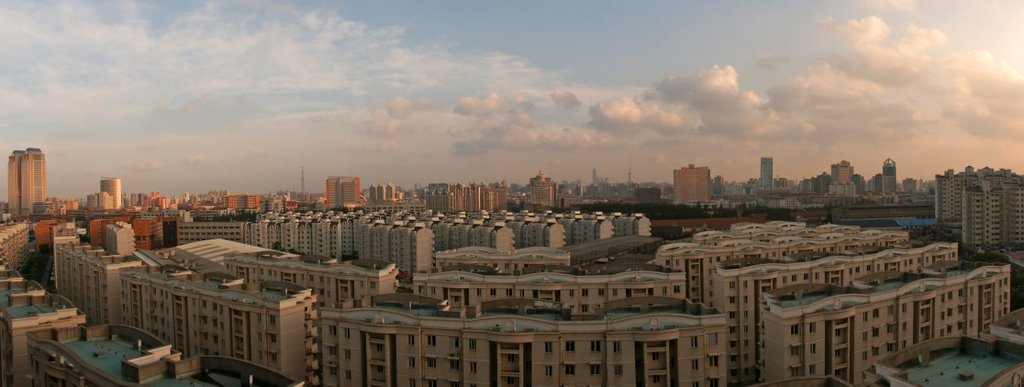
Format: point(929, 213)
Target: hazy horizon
point(193, 95)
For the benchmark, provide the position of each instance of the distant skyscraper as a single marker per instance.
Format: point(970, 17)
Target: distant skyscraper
point(343, 192)
point(692, 184)
point(543, 191)
point(767, 173)
point(112, 187)
point(842, 172)
point(889, 176)
point(26, 180)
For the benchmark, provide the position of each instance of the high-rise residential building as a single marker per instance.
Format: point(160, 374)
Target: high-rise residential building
point(983, 206)
point(243, 202)
point(889, 182)
point(112, 187)
point(842, 172)
point(26, 180)
point(767, 173)
point(543, 191)
point(692, 184)
point(343, 192)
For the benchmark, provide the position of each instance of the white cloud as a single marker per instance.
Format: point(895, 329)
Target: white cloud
point(630, 114)
point(489, 104)
point(892, 62)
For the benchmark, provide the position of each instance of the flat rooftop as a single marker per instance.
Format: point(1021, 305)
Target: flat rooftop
point(106, 354)
point(22, 311)
point(945, 368)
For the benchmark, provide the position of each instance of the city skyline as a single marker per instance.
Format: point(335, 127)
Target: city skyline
point(415, 93)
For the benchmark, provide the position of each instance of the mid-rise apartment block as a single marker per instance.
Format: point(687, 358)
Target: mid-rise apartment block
point(410, 340)
point(508, 262)
point(189, 232)
point(581, 293)
point(739, 286)
point(216, 314)
point(343, 192)
point(778, 242)
point(26, 307)
point(349, 284)
point(117, 355)
point(14, 247)
point(826, 329)
point(91, 279)
point(119, 238)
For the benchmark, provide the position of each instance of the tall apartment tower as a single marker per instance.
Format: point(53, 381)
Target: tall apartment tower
point(26, 180)
point(112, 186)
point(343, 191)
point(889, 176)
point(692, 184)
point(767, 173)
point(842, 172)
point(543, 191)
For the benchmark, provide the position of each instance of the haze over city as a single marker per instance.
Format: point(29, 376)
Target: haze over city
point(194, 95)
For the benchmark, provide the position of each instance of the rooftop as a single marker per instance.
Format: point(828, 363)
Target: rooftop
point(945, 368)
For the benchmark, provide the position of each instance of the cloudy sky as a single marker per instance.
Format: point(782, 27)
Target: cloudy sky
point(191, 96)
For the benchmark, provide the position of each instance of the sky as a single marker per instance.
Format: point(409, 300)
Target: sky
point(241, 95)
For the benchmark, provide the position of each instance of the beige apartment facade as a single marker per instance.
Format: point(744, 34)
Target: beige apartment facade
point(825, 329)
point(510, 262)
point(691, 185)
point(342, 285)
point(582, 294)
point(14, 247)
point(91, 279)
point(739, 286)
point(189, 232)
point(26, 307)
point(408, 340)
point(80, 356)
point(216, 314)
point(700, 260)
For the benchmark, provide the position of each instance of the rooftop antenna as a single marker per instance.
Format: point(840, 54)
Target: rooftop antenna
point(302, 168)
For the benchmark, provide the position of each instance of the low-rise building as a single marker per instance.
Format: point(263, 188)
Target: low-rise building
point(951, 361)
point(412, 340)
point(268, 323)
point(825, 329)
point(336, 284)
point(118, 355)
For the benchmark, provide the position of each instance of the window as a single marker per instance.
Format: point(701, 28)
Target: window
point(412, 340)
point(412, 362)
point(347, 333)
point(693, 342)
point(695, 364)
point(713, 361)
point(655, 356)
point(794, 329)
point(616, 346)
point(432, 340)
point(570, 369)
point(595, 369)
point(454, 364)
point(472, 367)
point(431, 362)
point(549, 371)
point(549, 346)
point(570, 346)
point(595, 346)
point(472, 343)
